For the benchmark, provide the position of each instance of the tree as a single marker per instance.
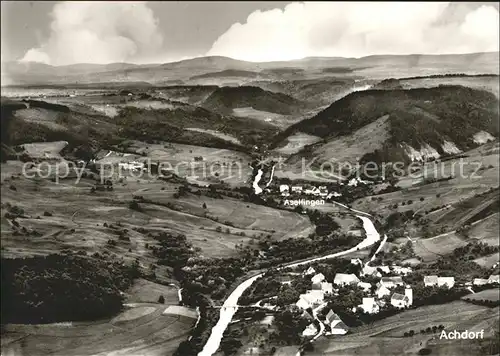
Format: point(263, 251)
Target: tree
point(290, 324)
point(161, 299)
point(204, 205)
point(133, 205)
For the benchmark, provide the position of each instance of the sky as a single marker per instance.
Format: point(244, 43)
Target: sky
point(61, 33)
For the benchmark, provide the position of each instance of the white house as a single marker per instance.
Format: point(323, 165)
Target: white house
point(323, 191)
point(337, 326)
point(133, 166)
point(284, 190)
point(318, 278)
point(399, 300)
point(371, 271)
point(311, 299)
point(365, 286)
point(391, 282)
point(309, 271)
point(333, 194)
point(480, 281)
point(446, 281)
point(356, 261)
point(401, 270)
point(343, 279)
point(369, 306)
point(327, 287)
point(310, 330)
point(494, 278)
point(311, 191)
point(315, 191)
point(385, 269)
point(303, 302)
point(382, 291)
point(430, 281)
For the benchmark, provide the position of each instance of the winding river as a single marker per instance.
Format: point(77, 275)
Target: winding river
point(256, 187)
point(230, 305)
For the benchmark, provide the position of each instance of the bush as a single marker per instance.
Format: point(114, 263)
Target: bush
point(134, 205)
point(46, 213)
point(425, 351)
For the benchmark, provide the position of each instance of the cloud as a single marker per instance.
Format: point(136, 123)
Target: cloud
point(358, 29)
point(99, 32)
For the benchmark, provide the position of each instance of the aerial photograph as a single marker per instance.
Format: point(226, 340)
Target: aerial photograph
point(237, 178)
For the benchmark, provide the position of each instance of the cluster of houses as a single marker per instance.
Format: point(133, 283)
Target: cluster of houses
point(381, 293)
point(132, 166)
point(430, 281)
point(314, 299)
point(320, 191)
point(494, 278)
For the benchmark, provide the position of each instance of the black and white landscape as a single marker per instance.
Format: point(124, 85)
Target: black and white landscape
point(251, 178)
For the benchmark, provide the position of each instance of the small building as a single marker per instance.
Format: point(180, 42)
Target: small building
point(323, 191)
point(356, 261)
point(303, 302)
point(430, 281)
point(371, 271)
point(337, 326)
point(310, 330)
point(318, 278)
point(369, 306)
point(284, 190)
point(480, 281)
point(310, 190)
point(365, 286)
point(327, 287)
point(309, 271)
point(385, 269)
point(344, 279)
point(399, 300)
point(446, 281)
point(401, 270)
point(391, 282)
point(494, 278)
point(331, 316)
point(311, 299)
point(333, 195)
point(382, 291)
point(297, 189)
point(316, 296)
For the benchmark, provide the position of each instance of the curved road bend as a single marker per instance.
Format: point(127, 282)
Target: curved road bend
point(229, 307)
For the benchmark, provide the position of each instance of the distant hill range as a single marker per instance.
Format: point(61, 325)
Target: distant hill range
point(382, 66)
